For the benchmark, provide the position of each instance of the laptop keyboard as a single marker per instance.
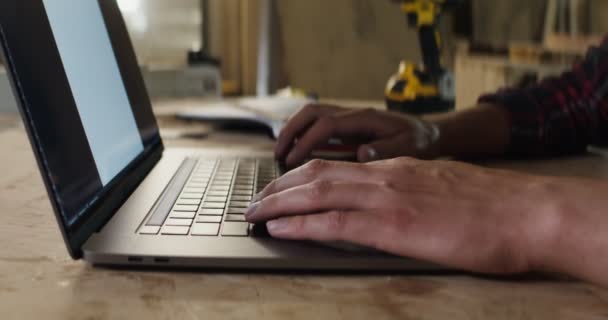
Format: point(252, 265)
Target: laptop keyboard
point(208, 198)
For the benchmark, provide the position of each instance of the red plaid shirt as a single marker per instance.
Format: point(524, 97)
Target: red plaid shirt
point(560, 115)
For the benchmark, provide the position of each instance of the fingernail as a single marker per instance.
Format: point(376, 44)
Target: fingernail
point(253, 207)
point(276, 225)
point(372, 153)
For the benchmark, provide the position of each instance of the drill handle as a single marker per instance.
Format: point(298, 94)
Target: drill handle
point(431, 50)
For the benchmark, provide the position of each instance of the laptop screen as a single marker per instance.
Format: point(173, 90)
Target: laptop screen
point(82, 92)
point(94, 78)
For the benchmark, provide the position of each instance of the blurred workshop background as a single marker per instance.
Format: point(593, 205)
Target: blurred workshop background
point(346, 48)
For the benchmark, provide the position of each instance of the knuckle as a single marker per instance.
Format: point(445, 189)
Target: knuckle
point(387, 184)
point(297, 225)
point(436, 172)
point(315, 167)
point(336, 222)
point(405, 164)
point(319, 189)
point(408, 161)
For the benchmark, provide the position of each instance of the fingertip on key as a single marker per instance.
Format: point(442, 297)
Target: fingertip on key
point(257, 197)
point(277, 225)
point(252, 210)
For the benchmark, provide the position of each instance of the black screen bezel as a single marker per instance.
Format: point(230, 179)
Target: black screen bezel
point(118, 191)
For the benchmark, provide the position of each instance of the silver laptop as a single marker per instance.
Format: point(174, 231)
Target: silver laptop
point(120, 198)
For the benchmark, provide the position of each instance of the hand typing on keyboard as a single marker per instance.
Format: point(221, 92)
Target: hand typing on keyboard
point(450, 213)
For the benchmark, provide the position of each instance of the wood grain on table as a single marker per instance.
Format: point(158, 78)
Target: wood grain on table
point(38, 280)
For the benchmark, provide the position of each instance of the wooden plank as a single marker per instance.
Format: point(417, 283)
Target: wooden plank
point(598, 10)
point(550, 18)
point(250, 34)
point(225, 38)
point(498, 23)
point(479, 74)
point(344, 48)
point(476, 76)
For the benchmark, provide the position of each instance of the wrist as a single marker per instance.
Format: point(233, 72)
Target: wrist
point(570, 229)
point(541, 226)
point(555, 240)
point(483, 130)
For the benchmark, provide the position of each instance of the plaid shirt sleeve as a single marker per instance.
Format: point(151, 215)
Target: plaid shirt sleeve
point(560, 115)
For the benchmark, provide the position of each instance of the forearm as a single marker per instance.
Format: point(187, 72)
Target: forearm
point(571, 230)
point(480, 131)
point(564, 221)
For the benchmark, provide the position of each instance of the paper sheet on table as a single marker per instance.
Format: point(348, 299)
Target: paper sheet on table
point(271, 112)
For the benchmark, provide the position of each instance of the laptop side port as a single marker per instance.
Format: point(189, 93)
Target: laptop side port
point(161, 260)
point(135, 259)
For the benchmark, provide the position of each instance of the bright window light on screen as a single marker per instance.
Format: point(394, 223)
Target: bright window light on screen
point(129, 6)
point(134, 13)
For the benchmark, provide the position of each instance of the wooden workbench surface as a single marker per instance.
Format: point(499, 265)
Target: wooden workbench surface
point(38, 280)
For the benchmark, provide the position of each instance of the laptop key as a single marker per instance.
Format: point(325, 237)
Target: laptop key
point(175, 230)
point(194, 190)
point(213, 205)
point(209, 219)
point(183, 201)
point(216, 193)
point(239, 204)
point(182, 215)
point(216, 199)
point(237, 210)
point(205, 229)
point(242, 192)
point(187, 195)
point(196, 185)
point(179, 222)
point(185, 208)
point(235, 217)
point(149, 230)
point(201, 178)
point(211, 212)
point(235, 229)
point(240, 198)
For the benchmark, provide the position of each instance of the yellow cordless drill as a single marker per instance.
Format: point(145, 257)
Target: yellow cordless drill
point(428, 89)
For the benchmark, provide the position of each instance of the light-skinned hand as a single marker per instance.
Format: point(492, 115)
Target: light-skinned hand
point(450, 213)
